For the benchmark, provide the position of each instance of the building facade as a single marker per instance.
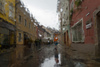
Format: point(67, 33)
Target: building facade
point(82, 22)
point(63, 11)
point(25, 30)
point(40, 32)
point(7, 23)
point(85, 22)
point(48, 34)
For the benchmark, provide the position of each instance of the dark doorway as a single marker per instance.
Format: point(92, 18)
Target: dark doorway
point(98, 32)
point(65, 38)
point(98, 28)
point(25, 39)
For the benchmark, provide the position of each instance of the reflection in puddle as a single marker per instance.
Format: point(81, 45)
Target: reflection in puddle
point(78, 64)
point(50, 62)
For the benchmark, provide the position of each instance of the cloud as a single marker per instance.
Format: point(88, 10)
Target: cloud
point(44, 11)
point(42, 4)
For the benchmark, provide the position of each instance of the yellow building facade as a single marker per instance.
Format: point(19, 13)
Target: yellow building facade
point(25, 30)
point(7, 23)
point(7, 10)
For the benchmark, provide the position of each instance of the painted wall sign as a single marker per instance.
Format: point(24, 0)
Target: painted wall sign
point(88, 25)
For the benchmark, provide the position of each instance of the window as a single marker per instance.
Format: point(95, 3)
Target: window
point(77, 33)
point(25, 22)
point(11, 10)
point(48, 35)
point(63, 20)
point(32, 27)
point(19, 18)
point(19, 39)
point(29, 25)
point(1, 5)
point(66, 8)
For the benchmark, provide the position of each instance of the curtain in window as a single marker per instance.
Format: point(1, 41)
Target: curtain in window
point(77, 32)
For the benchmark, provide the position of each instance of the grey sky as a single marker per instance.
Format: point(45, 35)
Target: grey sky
point(44, 11)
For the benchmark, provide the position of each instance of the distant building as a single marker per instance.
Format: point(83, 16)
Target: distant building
point(40, 32)
point(48, 34)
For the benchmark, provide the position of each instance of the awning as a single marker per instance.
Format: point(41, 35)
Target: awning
point(8, 26)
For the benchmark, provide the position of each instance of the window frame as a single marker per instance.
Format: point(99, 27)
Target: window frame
point(19, 37)
point(30, 25)
point(72, 30)
point(11, 10)
point(20, 18)
point(25, 22)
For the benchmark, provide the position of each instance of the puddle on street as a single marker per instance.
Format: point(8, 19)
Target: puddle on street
point(78, 64)
point(50, 62)
point(49, 59)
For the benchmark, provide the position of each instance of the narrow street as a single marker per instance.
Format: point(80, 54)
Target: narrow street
point(49, 33)
point(43, 57)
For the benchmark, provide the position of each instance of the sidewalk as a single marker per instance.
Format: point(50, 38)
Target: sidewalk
point(3, 51)
point(81, 51)
point(76, 53)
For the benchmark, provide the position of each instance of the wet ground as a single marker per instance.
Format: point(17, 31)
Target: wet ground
point(43, 57)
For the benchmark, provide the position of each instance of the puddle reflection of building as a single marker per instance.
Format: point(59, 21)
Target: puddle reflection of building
point(19, 51)
point(56, 57)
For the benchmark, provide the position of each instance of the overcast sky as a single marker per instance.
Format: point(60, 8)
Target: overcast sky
point(44, 11)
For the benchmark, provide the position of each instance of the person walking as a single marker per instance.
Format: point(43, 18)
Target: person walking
point(56, 55)
point(56, 58)
point(56, 41)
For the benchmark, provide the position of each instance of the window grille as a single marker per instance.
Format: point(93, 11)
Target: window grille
point(77, 33)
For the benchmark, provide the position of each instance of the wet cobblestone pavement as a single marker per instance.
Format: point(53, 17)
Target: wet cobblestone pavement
point(43, 57)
